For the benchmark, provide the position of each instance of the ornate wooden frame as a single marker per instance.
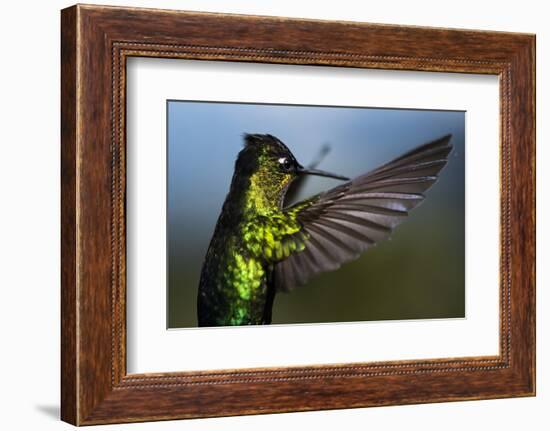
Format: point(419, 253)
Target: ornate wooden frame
point(95, 42)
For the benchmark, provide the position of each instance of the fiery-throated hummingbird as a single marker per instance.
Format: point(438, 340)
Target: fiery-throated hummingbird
point(260, 247)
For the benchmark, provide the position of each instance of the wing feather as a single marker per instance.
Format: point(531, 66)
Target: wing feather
point(340, 224)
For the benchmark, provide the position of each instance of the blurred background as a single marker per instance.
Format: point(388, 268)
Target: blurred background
point(417, 274)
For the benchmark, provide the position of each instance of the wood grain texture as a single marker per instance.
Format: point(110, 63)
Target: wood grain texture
point(96, 41)
point(69, 366)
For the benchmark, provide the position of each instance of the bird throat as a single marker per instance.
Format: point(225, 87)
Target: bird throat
point(265, 193)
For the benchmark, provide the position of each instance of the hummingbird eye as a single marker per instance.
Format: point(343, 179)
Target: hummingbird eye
point(285, 164)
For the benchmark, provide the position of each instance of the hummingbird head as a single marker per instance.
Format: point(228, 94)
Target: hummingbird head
point(270, 167)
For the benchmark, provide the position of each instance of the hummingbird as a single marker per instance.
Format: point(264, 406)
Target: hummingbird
point(261, 246)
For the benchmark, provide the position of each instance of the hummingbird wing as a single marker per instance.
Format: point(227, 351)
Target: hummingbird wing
point(341, 223)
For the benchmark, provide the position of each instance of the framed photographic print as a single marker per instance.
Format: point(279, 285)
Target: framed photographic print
point(320, 214)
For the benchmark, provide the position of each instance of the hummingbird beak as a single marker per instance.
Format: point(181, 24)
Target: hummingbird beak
point(304, 171)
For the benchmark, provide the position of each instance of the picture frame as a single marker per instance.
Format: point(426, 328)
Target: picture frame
point(96, 42)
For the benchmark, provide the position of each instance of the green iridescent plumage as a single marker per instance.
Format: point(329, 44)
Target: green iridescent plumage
point(253, 233)
point(259, 247)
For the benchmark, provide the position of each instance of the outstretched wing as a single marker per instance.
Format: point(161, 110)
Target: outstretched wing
point(340, 224)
